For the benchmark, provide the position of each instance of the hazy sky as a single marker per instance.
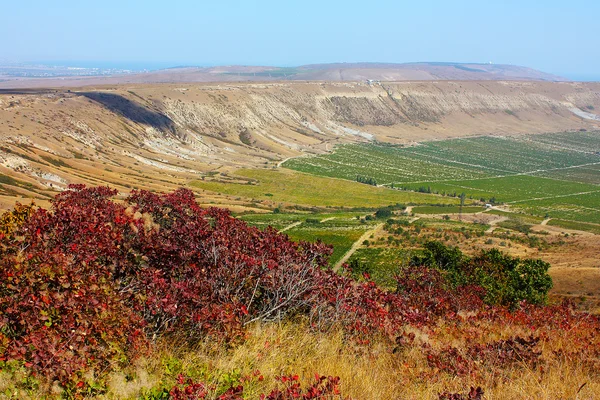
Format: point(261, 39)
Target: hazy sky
point(560, 37)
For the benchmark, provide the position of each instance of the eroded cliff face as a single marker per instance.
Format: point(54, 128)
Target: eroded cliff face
point(401, 112)
point(157, 136)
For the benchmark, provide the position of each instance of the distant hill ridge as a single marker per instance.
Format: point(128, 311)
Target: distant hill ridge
point(335, 72)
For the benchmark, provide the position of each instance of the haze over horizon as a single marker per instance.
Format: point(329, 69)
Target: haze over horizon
point(151, 35)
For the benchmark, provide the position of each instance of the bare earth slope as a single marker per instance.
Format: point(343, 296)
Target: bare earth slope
point(161, 136)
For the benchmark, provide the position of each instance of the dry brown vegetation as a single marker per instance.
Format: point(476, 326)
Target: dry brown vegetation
point(371, 372)
point(317, 72)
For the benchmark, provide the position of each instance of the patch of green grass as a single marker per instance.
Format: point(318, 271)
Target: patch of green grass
point(585, 174)
point(523, 218)
point(586, 142)
point(384, 164)
point(22, 155)
point(515, 225)
point(534, 195)
point(277, 221)
point(505, 155)
point(381, 263)
point(298, 188)
point(457, 159)
point(340, 232)
point(280, 221)
point(77, 155)
point(453, 225)
point(509, 189)
point(9, 180)
point(556, 174)
point(582, 207)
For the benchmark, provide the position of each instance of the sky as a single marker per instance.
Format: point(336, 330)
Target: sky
point(558, 37)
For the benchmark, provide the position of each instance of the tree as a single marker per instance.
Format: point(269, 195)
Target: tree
point(383, 213)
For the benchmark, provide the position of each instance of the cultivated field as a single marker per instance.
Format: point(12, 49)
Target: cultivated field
point(339, 230)
point(550, 174)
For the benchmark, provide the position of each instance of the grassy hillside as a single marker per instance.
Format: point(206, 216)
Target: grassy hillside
point(292, 187)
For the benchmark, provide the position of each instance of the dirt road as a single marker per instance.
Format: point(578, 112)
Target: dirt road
point(355, 246)
point(494, 223)
point(295, 224)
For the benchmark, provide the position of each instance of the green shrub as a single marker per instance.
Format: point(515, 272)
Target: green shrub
point(509, 280)
point(506, 279)
point(383, 213)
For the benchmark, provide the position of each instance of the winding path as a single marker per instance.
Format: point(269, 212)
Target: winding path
point(494, 223)
point(355, 247)
point(545, 222)
point(295, 224)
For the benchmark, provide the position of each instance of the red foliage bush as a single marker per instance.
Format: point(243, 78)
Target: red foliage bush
point(80, 284)
point(59, 308)
point(208, 271)
point(504, 353)
point(365, 309)
point(451, 361)
point(92, 281)
point(324, 387)
point(516, 351)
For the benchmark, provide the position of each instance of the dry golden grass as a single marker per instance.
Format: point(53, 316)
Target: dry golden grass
point(366, 372)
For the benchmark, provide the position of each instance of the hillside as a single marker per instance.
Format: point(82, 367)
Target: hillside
point(35, 76)
point(162, 136)
point(154, 297)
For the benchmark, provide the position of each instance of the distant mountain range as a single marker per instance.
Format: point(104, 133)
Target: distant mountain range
point(26, 76)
